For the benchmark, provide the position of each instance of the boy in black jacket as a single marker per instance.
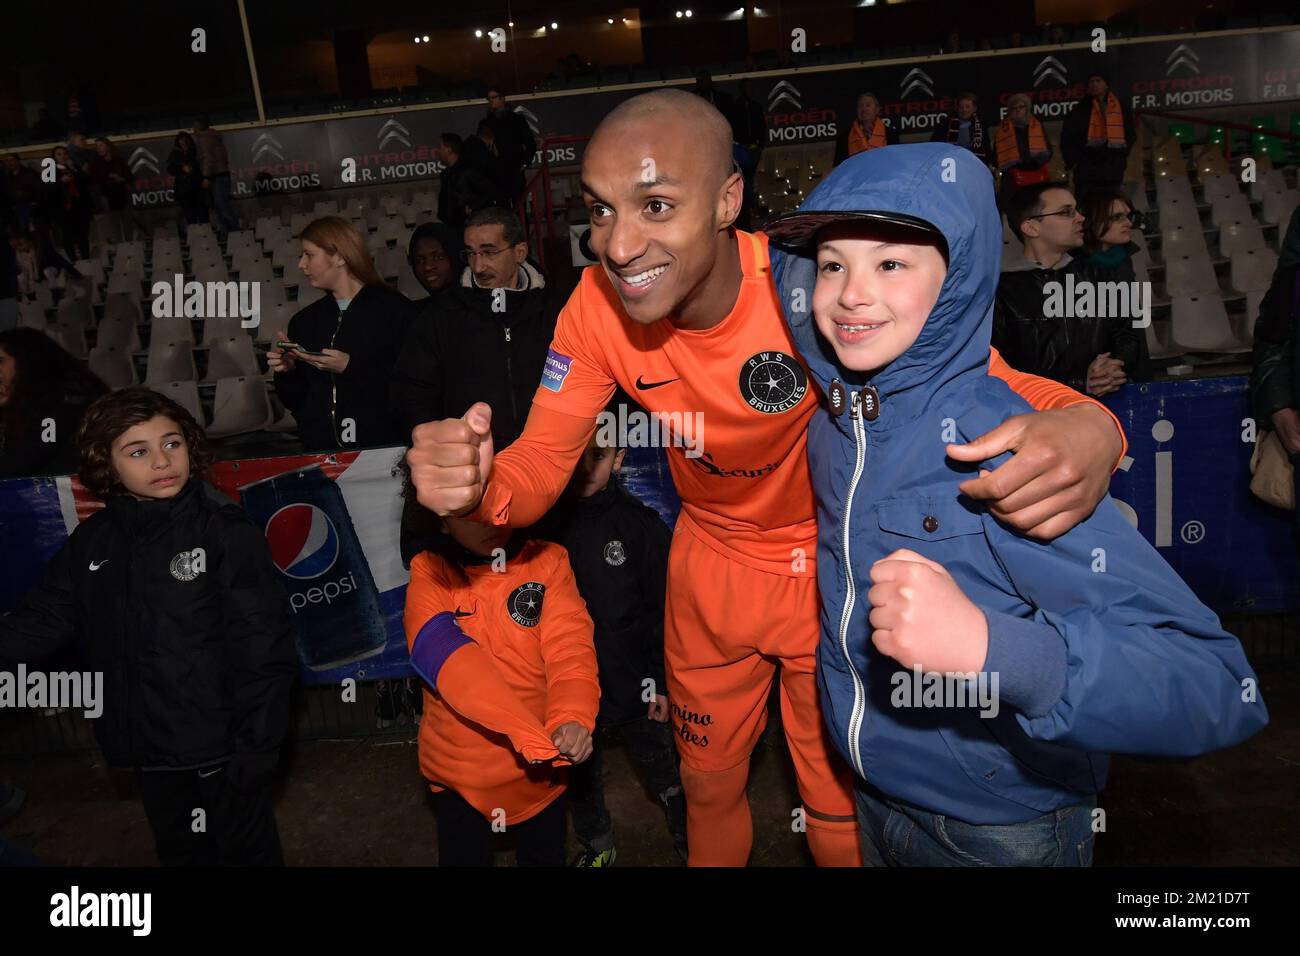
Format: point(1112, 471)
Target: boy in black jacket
point(619, 552)
point(172, 596)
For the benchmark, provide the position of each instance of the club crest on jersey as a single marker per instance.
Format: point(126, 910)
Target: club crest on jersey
point(614, 553)
point(187, 565)
point(773, 382)
point(525, 603)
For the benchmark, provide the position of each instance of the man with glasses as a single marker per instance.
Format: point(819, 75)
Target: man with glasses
point(1094, 353)
point(483, 338)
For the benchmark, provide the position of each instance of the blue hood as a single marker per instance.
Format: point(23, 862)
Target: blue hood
point(948, 188)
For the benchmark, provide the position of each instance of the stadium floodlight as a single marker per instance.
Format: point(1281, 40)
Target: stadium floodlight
point(688, 13)
point(426, 38)
point(417, 39)
point(679, 14)
point(554, 25)
point(478, 33)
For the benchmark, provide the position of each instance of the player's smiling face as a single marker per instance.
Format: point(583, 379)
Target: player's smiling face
point(874, 293)
point(655, 213)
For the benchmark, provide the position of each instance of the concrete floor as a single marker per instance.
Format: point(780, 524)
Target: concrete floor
point(362, 803)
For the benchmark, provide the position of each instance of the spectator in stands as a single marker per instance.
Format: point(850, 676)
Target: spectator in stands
point(705, 89)
point(483, 339)
point(184, 166)
point(20, 190)
point(1096, 138)
point(335, 379)
point(69, 205)
point(434, 255)
point(867, 131)
point(463, 188)
point(1097, 354)
point(33, 254)
point(214, 164)
point(110, 172)
point(44, 391)
point(480, 151)
point(1021, 149)
point(749, 132)
point(964, 128)
point(1108, 219)
point(1275, 379)
point(514, 141)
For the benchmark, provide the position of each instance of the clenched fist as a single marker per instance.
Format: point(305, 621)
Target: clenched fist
point(921, 618)
point(451, 461)
point(573, 740)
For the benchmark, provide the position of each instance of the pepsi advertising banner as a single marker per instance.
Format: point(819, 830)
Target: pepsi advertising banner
point(1184, 72)
point(331, 522)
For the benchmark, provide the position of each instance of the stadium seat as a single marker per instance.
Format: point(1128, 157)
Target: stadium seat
point(329, 207)
point(208, 271)
point(1252, 269)
point(1221, 186)
point(1270, 181)
point(75, 310)
point(113, 365)
point(127, 285)
point(1182, 241)
point(1200, 324)
point(355, 208)
point(92, 268)
point(1228, 209)
point(172, 329)
point(1190, 276)
point(391, 262)
point(1160, 341)
point(1236, 236)
point(219, 327)
point(184, 393)
point(170, 361)
point(255, 270)
point(240, 406)
point(1177, 211)
point(1278, 207)
point(31, 315)
point(275, 316)
point(70, 335)
point(119, 330)
point(231, 357)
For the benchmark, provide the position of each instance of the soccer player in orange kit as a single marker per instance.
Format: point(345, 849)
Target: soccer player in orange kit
point(682, 313)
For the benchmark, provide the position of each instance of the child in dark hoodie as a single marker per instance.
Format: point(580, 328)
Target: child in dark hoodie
point(975, 679)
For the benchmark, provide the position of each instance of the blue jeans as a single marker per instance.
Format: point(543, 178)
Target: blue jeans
point(895, 834)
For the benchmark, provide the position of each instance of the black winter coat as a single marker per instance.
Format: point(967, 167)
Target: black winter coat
point(198, 664)
point(371, 331)
point(619, 552)
point(1061, 348)
point(459, 351)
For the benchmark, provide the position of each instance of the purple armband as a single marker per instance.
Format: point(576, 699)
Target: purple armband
point(440, 637)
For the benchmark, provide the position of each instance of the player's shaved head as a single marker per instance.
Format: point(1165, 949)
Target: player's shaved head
point(676, 113)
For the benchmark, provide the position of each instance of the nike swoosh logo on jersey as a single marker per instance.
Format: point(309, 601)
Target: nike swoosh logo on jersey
point(96, 565)
point(210, 773)
point(648, 385)
point(460, 613)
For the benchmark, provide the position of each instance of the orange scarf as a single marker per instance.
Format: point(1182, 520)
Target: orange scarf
point(1008, 147)
point(1112, 132)
point(858, 140)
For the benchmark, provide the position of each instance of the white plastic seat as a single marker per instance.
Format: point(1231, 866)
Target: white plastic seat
point(170, 362)
point(1267, 181)
point(329, 207)
point(1278, 207)
point(1252, 269)
point(92, 268)
point(119, 330)
point(165, 230)
point(1220, 186)
point(1182, 241)
point(184, 393)
point(299, 221)
point(1200, 324)
point(275, 316)
point(70, 335)
point(1235, 208)
point(256, 270)
point(1190, 276)
point(286, 254)
point(1237, 236)
point(390, 263)
point(31, 315)
point(167, 244)
point(211, 272)
point(354, 208)
point(1160, 342)
point(390, 227)
point(76, 311)
point(172, 329)
point(231, 357)
point(1174, 187)
point(121, 304)
point(113, 365)
point(240, 406)
point(1179, 211)
point(264, 225)
point(240, 239)
point(218, 328)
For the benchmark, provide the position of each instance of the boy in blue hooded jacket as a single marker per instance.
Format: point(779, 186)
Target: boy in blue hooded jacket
point(976, 679)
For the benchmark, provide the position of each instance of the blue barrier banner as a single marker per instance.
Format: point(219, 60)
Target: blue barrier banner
point(1186, 485)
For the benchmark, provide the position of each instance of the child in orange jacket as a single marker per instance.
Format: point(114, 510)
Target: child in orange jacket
point(502, 640)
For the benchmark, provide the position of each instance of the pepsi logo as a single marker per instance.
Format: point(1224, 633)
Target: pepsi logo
point(304, 542)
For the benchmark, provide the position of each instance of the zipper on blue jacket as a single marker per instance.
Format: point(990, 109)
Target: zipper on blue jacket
point(510, 378)
point(850, 593)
